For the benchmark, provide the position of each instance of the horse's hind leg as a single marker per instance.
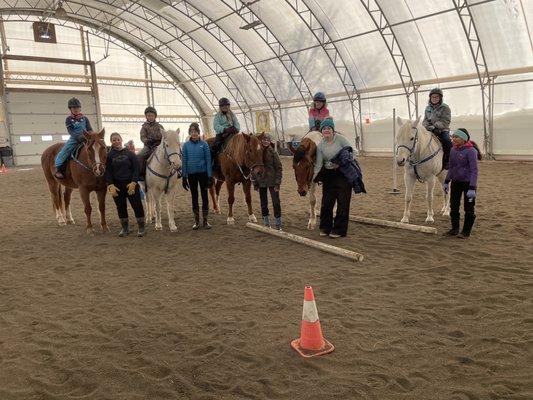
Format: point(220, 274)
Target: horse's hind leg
point(55, 193)
point(86, 199)
point(170, 196)
point(247, 189)
point(409, 188)
point(68, 213)
point(311, 224)
point(214, 199)
point(156, 201)
point(430, 186)
point(231, 200)
point(101, 207)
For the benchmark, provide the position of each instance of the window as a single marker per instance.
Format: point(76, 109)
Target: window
point(25, 138)
point(65, 137)
point(47, 138)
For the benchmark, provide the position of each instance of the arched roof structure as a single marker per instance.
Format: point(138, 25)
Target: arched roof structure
point(273, 54)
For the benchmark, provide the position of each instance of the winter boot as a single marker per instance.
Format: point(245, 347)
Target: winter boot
point(266, 221)
point(141, 232)
point(278, 223)
point(205, 213)
point(455, 226)
point(196, 220)
point(124, 222)
point(467, 225)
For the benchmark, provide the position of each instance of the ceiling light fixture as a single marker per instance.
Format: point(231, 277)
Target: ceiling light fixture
point(251, 25)
point(60, 11)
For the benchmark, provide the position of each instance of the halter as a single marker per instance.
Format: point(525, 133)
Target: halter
point(411, 150)
point(94, 165)
point(240, 168)
point(167, 159)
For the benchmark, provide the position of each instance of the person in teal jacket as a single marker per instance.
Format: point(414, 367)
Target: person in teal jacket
point(196, 170)
point(225, 125)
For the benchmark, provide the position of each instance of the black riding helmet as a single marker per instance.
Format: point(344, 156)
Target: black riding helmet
point(74, 102)
point(223, 102)
point(319, 96)
point(150, 110)
point(436, 91)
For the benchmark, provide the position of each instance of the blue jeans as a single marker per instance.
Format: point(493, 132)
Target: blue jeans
point(65, 152)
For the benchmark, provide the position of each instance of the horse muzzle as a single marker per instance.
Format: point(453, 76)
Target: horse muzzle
point(401, 162)
point(99, 169)
point(302, 193)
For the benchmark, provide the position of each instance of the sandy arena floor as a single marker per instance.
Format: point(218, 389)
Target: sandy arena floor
point(210, 314)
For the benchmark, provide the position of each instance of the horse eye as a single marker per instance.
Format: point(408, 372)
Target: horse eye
point(412, 139)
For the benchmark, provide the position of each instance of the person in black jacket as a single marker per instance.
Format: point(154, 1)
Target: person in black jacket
point(122, 176)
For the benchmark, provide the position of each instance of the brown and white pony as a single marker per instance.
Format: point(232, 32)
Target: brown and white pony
point(86, 173)
point(241, 158)
point(303, 163)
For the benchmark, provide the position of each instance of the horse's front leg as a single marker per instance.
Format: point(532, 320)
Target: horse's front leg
point(86, 199)
point(247, 189)
point(446, 196)
point(156, 202)
point(311, 224)
point(231, 200)
point(409, 179)
point(101, 207)
point(170, 210)
point(430, 186)
point(67, 196)
point(214, 198)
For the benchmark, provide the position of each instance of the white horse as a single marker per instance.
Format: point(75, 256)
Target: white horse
point(421, 154)
point(304, 164)
point(162, 177)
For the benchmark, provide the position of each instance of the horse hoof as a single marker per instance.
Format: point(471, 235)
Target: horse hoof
point(90, 231)
point(231, 221)
point(311, 226)
point(62, 223)
point(71, 222)
point(159, 228)
point(429, 220)
point(216, 212)
point(405, 220)
point(252, 218)
point(446, 213)
point(105, 229)
point(173, 229)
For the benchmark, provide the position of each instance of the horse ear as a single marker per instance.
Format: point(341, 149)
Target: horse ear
point(416, 121)
point(291, 148)
point(247, 137)
point(164, 133)
point(399, 121)
point(101, 134)
point(87, 135)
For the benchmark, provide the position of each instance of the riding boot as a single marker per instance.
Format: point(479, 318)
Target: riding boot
point(278, 223)
point(467, 225)
point(205, 213)
point(455, 226)
point(124, 222)
point(196, 220)
point(141, 232)
point(266, 221)
point(59, 173)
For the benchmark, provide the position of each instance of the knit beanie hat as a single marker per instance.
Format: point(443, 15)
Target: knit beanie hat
point(327, 122)
point(462, 133)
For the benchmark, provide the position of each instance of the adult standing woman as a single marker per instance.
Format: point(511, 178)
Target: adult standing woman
point(336, 188)
point(197, 172)
point(122, 176)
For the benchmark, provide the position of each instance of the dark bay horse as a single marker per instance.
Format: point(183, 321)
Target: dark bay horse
point(241, 158)
point(86, 173)
point(303, 163)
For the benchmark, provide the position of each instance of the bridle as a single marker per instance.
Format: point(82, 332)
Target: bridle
point(167, 156)
point(94, 165)
point(411, 150)
point(246, 177)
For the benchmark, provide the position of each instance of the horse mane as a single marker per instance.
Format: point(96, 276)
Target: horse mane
point(236, 147)
point(307, 147)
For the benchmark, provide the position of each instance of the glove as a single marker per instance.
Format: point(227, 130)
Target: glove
point(185, 183)
point(131, 188)
point(209, 182)
point(113, 190)
point(80, 139)
point(446, 187)
point(431, 128)
point(471, 194)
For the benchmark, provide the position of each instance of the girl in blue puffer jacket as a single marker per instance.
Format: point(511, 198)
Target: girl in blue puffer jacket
point(463, 177)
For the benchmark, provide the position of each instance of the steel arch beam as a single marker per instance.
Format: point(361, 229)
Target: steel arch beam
point(119, 41)
point(225, 40)
point(275, 45)
point(395, 50)
point(486, 83)
point(322, 36)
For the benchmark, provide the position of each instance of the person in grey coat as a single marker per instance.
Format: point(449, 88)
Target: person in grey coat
point(269, 181)
point(437, 118)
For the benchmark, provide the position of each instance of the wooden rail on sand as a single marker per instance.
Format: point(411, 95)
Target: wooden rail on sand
point(393, 224)
point(352, 255)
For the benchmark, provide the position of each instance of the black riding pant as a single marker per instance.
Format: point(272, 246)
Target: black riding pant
point(276, 204)
point(195, 181)
point(336, 189)
point(458, 190)
point(122, 199)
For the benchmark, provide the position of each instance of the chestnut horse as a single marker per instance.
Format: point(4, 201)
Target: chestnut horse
point(85, 173)
point(241, 158)
point(303, 164)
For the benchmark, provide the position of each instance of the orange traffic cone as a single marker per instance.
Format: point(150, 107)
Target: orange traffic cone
point(3, 169)
point(311, 342)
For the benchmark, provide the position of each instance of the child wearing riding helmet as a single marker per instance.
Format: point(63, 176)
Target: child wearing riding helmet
point(461, 180)
point(122, 177)
point(437, 118)
point(269, 181)
point(76, 123)
point(151, 135)
point(319, 112)
point(225, 124)
point(196, 170)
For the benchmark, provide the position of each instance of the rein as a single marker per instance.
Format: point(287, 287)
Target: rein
point(411, 150)
point(94, 165)
point(167, 159)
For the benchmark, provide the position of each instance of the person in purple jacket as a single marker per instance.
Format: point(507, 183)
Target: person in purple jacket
point(463, 177)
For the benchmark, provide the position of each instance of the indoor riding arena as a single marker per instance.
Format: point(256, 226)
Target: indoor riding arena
point(424, 296)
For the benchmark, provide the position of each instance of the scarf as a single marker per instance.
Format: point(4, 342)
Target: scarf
point(77, 117)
